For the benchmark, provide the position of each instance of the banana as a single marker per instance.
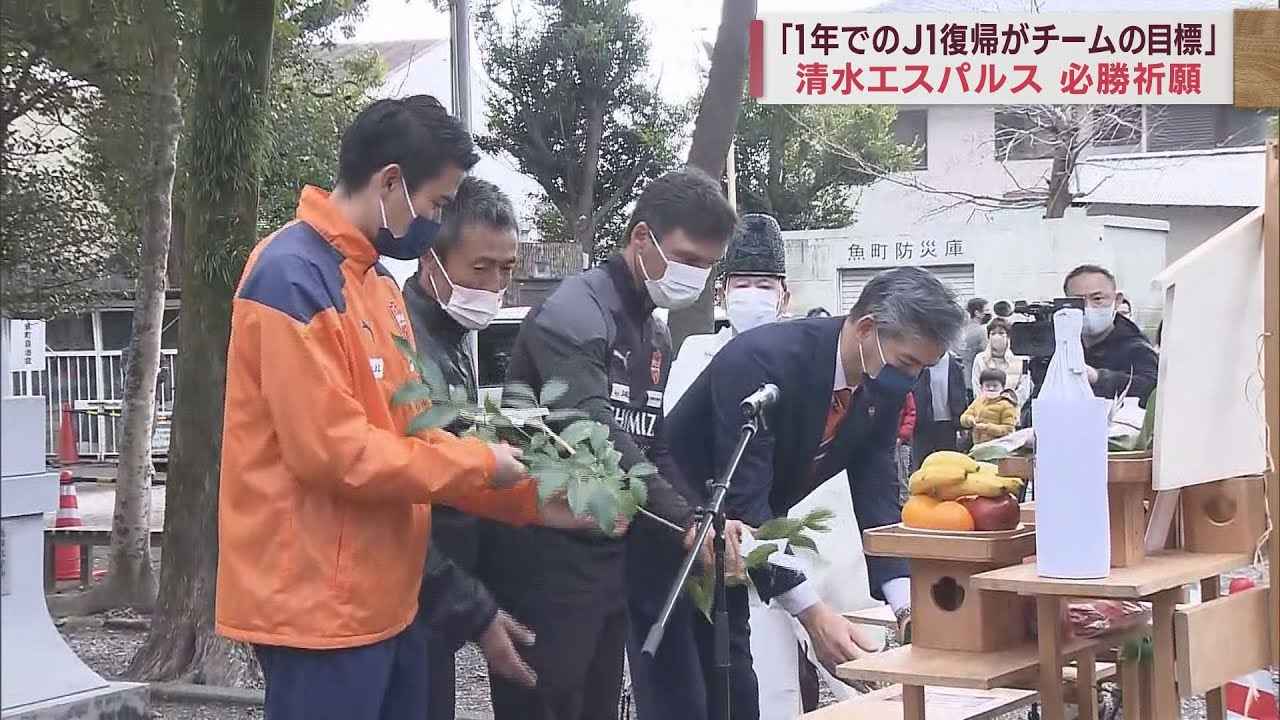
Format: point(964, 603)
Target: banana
point(929, 480)
point(950, 458)
point(981, 484)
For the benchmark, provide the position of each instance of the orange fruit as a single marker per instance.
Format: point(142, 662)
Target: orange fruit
point(922, 511)
point(916, 511)
point(951, 515)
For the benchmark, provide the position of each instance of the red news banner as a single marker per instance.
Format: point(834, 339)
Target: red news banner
point(995, 58)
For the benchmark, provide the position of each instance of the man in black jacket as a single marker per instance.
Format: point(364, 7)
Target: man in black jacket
point(1115, 350)
point(942, 395)
point(456, 289)
point(597, 334)
point(842, 382)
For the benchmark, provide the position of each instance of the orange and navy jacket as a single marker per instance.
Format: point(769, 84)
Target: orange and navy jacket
point(324, 508)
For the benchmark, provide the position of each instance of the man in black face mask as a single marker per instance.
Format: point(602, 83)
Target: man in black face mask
point(842, 382)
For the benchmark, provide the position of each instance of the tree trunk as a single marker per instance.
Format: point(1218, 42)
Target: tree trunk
point(722, 100)
point(713, 133)
point(1060, 195)
point(130, 581)
point(227, 135)
point(584, 225)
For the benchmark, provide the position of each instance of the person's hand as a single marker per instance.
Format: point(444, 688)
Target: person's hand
point(735, 566)
point(1092, 373)
point(507, 468)
point(982, 427)
point(835, 639)
point(498, 644)
point(706, 555)
point(555, 513)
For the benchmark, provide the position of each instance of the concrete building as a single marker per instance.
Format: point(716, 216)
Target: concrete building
point(1179, 174)
point(1192, 169)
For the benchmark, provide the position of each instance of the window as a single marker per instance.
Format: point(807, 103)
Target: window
point(169, 332)
point(495, 344)
point(69, 333)
point(117, 326)
point(1020, 136)
point(1204, 127)
point(1119, 125)
point(911, 127)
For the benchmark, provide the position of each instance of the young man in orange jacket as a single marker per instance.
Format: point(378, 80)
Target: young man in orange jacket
point(325, 503)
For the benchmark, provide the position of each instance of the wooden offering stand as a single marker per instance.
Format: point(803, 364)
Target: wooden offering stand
point(946, 613)
point(1128, 484)
point(963, 637)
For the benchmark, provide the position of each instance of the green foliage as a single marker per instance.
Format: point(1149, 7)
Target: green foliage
point(797, 532)
point(72, 77)
point(791, 160)
point(312, 101)
point(579, 462)
point(575, 112)
point(54, 238)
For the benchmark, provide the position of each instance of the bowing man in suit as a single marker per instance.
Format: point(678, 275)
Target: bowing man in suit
point(842, 383)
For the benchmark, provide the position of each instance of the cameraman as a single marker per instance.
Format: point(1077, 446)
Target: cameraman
point(1114, 348)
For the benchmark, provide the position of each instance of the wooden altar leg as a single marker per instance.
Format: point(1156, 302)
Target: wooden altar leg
point(1215, 701)
point(913, 702)
point(1164, 692)
point(1131, 688)
point(1086, 686)
point(1049, 630)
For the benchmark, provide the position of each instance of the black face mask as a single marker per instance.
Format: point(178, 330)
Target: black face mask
point(415, 242)
point(890, 384)
point(985, 319)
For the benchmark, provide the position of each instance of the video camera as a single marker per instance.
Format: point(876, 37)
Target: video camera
point(1034, 338)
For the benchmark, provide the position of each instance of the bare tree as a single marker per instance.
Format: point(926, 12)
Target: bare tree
point(1060, 133)
point(130, 579)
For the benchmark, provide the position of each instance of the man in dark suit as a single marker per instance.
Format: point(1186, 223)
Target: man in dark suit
point(842, 382)
point(941, 398)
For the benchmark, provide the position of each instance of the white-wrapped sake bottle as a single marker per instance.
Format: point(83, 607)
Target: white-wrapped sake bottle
point(1073, 525)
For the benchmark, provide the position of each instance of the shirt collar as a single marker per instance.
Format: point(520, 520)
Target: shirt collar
point(841, 380)
point(317, 210)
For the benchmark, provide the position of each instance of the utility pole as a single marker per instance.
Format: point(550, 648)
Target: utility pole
point(460, 60)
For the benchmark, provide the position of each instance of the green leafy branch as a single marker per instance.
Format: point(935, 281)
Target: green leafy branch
point(578, 462)
point(796, 533)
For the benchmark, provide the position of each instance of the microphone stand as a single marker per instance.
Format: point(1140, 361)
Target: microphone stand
point(711, 516)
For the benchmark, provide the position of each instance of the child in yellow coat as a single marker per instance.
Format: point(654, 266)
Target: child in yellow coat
point(994, 413)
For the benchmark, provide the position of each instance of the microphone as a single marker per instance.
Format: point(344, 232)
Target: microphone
point(756, 402)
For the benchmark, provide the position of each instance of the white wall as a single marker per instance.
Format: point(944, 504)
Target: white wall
point(1016, 255)
point(1188, 226)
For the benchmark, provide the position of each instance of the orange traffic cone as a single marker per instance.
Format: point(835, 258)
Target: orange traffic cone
point(67, 557)
point(67, 452)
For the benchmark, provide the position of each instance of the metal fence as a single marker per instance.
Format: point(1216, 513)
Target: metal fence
point(91, 384)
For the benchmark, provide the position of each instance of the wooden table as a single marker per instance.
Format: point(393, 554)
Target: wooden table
point(916, 667)
point(942, 704)
point(1158, 578)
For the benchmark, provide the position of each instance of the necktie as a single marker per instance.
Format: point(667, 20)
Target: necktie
point(840, 402)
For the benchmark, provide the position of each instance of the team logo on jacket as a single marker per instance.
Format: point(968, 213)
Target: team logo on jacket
point(635, 422)
point(655, 367)
point(397, 314)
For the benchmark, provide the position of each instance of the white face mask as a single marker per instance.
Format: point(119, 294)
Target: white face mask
point(1098, 320)
point(751, 307)
point(679, 287)
point(473, 309)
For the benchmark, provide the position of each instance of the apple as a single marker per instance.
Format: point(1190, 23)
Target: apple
point(999, 513)
point(1239, 584)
